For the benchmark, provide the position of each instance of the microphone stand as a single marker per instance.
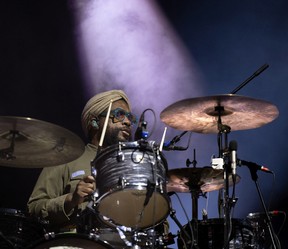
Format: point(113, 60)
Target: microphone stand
point(260, 70)
point(254, 176)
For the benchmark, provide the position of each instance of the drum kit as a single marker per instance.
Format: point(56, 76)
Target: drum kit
point(134, 182)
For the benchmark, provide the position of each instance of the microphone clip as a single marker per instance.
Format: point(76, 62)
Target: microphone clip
point(144, 132)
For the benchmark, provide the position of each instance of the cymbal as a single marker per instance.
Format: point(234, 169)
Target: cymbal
point(30, 143)
point(202, 114)
point(204, 179)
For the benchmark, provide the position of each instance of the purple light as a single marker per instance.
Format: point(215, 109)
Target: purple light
point(130, 45)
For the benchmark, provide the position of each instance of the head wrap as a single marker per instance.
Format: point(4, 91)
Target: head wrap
point(98, 104)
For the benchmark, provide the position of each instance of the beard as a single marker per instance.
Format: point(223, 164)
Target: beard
point(113, 136)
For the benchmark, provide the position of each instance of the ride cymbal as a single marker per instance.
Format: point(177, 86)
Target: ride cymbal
point(30, 143)
point(206, 179)
point(202, 114)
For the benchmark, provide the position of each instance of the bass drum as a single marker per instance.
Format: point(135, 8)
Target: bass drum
point(18, 230)
point(211, 235)
point(131, 183)
point(70, 241)
point(141, 239)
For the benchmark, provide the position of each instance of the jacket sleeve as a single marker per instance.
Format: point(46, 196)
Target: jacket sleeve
point(54, 184)
point(48, 197)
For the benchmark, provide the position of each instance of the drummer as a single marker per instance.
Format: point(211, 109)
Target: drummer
point(61, 192)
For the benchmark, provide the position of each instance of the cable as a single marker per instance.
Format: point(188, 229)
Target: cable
point(189, 224)
point(154, 123)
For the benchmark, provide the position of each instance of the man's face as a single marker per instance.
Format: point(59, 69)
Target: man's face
point(117, 130)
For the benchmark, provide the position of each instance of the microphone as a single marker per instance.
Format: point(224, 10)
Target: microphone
point(170, 145)
point(173, 147)
point(255, 166)
point(261, 214)
point(233, 157)
point(141, 132)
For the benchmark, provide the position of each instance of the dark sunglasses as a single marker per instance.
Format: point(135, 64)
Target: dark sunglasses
point(120, 115)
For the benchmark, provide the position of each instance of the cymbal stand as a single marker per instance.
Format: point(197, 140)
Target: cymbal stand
point(195, 196)
point(195, 193)
point(194, 162)
point(224, 153)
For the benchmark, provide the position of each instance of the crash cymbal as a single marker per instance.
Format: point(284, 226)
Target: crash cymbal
point(206, 179)
point(202, 114)
point(30, 143)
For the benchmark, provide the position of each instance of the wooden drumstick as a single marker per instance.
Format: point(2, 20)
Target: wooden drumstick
point(105, 124)
point(163, 138)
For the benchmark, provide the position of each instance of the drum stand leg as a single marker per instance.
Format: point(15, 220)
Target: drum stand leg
point(187, 236)
point(192, 237)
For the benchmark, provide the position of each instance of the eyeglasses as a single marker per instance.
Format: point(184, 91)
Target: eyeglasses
point(120, 115)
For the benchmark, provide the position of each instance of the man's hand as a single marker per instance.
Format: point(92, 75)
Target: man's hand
point(84, 188)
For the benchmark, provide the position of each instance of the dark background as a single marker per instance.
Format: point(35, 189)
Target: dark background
point(40, 78)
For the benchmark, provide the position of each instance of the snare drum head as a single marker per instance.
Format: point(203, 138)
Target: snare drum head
point(18, 229)
point(70, 241)
point(129, 175)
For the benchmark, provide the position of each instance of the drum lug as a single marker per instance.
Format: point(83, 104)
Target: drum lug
point(122, 182)
point(120, 156)
point(49, 235)
point(160, 183)
point(93, 235)
point(94, 171)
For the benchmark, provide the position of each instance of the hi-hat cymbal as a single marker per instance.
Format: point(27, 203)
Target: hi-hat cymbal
point(202, 114)
point(206, 179)
point(30, 143)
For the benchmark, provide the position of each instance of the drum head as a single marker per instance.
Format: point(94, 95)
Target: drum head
point(126, 208)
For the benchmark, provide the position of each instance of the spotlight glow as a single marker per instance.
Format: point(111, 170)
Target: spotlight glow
point(129, 44)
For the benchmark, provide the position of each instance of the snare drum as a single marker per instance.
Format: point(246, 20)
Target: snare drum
point(131, 183)
point(70, 241)
point(211, 235)
point(17, 229)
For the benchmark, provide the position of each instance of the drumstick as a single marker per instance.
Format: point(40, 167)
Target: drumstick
point(105, 124)
point(163, 138)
